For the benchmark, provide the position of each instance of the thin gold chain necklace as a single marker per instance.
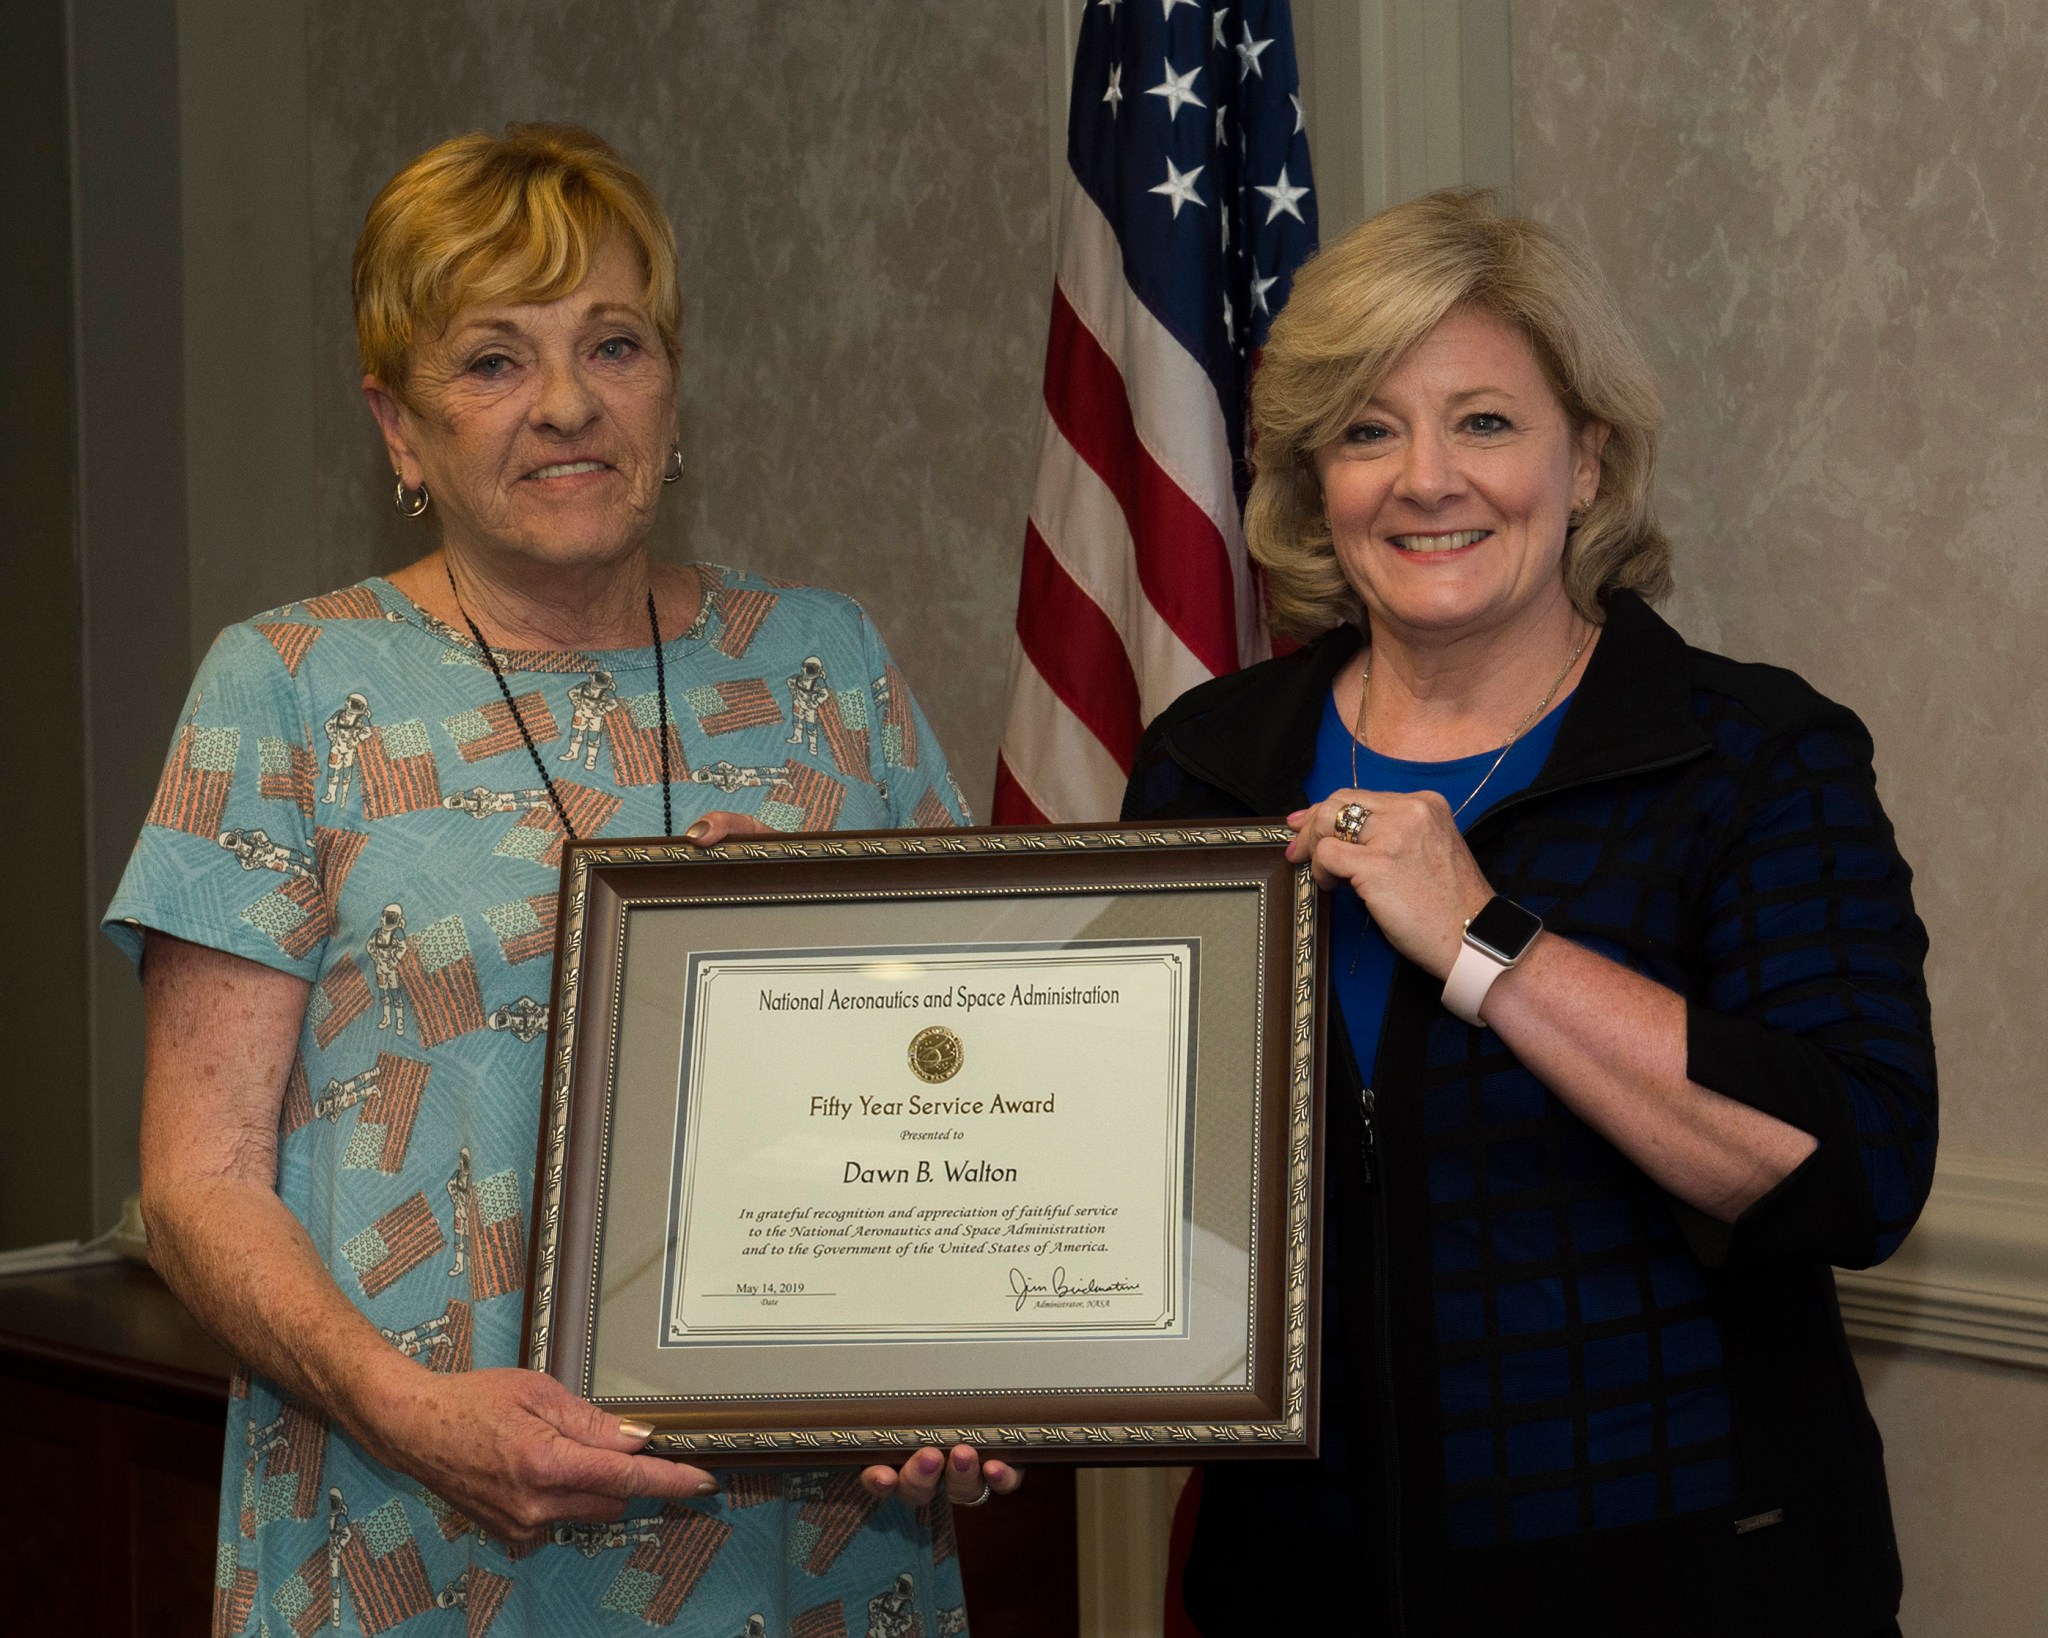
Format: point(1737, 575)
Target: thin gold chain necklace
point(1543, 705)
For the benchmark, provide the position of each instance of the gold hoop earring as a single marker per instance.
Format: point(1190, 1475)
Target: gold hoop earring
point(411, 503)
point(672, 469)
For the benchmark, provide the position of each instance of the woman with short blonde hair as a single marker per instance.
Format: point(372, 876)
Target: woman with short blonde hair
point(1629, 1038)
point(346, 976)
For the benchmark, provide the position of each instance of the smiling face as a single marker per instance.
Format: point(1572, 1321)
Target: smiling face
point(1450, 491)
point(540, 429)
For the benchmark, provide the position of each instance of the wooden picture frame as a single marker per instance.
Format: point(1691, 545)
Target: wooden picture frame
point(764, 1224)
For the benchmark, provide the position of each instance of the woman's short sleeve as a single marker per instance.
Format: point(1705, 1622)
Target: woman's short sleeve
point(229, 856)
point(904, 755)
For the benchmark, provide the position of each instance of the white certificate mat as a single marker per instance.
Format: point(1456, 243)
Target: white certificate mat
point(884, 1143)
point(1176, 1164)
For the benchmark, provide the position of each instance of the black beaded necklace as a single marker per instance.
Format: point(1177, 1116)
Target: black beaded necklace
point(668, 822)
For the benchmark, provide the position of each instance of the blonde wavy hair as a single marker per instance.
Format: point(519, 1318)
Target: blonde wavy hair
point(516, 218)
point(1361, 304)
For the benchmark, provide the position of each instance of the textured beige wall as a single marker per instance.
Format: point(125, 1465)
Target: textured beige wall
point(1826, 220)
point(1966, 1450)
point(859, 191)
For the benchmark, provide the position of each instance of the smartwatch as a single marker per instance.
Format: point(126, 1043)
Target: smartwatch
point(1495, 939)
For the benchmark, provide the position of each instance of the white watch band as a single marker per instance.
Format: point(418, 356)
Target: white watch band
point(1471, 976)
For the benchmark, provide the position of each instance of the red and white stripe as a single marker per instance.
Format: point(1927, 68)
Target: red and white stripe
point(1136, 585)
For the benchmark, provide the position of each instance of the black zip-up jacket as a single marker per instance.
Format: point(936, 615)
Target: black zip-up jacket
point(1556, 1400)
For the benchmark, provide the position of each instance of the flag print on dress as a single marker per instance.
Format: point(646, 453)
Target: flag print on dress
point(899, 727)
point(386, 1099)
point(310, 1597)
point(281, 1477)
point(399, 772)
point(193, 793)
point(802, 799)
point(671, 1552)
point(290, 640)
point(350, 603)
point(491, 729)
point(844, 720)
point(1187, 210)
point(930, 813)
point(837, 1505)
point(636, 744)
point(537, 834)
point(442, 1342)
point(295, 915)
point(234, 1593)
point(381, 1564)
point(395, 1244)
point(337, 1001)
point(286, 771)
point(424, 925)
point(821, 1621)
point(493, 1227)
point(753, 1487)
point(525, 927)
point(439, 976)
point(484, 1593)
point(728, 707)
point(335, 853)
point(741, 613)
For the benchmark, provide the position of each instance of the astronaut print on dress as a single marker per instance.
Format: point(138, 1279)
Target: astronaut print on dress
point(386, 946)
point(808, 696)
point(349, 799)
point(592, 703)
point(347, 731)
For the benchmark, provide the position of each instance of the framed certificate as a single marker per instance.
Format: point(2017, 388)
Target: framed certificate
point(860, 1142)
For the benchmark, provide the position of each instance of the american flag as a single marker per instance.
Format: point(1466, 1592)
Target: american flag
point(1188, 208)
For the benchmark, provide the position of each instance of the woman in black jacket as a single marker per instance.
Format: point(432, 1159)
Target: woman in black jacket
point(1629, 1040)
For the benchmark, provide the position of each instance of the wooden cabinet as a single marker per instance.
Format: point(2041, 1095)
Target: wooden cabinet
point(112, 1404)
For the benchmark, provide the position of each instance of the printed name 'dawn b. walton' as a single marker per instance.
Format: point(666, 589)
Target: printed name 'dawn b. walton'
point(960, 1171)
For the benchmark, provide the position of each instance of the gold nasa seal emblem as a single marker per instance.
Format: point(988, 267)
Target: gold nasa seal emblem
point(936, 1054)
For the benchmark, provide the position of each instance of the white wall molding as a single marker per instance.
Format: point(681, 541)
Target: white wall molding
point(1972, 1277)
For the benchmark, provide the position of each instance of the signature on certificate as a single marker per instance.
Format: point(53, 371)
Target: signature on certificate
point(1023, 1287)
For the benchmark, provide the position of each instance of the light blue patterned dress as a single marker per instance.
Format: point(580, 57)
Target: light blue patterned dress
point(349, 800)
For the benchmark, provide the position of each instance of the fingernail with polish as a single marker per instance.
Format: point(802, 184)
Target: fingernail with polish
point(629, 1429)
point(928, 1462)
point(962, 1462)
point(708, 1488)
point(698, 831)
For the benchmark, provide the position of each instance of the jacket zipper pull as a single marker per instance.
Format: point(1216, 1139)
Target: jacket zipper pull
point(1366, 1139)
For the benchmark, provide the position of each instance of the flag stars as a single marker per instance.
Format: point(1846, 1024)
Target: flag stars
point(1282, 198)
point(1225, 209)
point(1229, 322)
point(1166, 7)
point(1179, 187)
point(1110, 7)
point(1216, 28)
point(1248, 53)
point(1115, 94)
point(1177, 89)
point(1259, 288)
point(1299, 117)
point(1221, 110)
